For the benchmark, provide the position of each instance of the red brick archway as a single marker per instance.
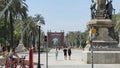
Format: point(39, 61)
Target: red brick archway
point(58, 35)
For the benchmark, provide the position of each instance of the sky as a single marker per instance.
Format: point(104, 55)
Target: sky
point(64, 15)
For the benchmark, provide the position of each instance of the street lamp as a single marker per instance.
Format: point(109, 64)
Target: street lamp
point(39, 65)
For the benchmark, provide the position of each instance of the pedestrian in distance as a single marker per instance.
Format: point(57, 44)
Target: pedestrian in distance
point(69, 53)
point(65, 53)
point(56, 54)
point(4, 51)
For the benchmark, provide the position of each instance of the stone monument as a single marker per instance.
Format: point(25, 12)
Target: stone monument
point(21, 47)
point(105, 46)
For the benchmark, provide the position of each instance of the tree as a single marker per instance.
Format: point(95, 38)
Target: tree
point(15, 10)
point(1, 30)
point(76, 39)
point(117, 24)
point(39, 18)
point(4, 6)
point(73, 39)
point(117, 21)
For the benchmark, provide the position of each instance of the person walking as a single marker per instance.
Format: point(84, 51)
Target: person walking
point(65, 53)
point(4, 50)
point(69, 53)
point(56, 54)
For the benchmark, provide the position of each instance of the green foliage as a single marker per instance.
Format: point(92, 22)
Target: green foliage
point(77, 39)
point(56, 43)
point(83, 43)
point(116, 19)
point(18, 10)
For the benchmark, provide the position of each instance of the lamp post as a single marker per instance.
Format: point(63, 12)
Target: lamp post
point(39, 65)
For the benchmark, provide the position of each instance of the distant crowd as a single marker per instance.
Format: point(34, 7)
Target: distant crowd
point(66, 51)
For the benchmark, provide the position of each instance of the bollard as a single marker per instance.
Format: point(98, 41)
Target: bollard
point(31, 58)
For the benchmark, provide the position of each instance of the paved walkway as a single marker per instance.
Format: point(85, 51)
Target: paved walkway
point(75, 58)
point(75, 62)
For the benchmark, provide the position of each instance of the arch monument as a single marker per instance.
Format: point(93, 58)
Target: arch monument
point(55, 39)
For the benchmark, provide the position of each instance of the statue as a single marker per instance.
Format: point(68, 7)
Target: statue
point(93, 10)
point(100, 4)
point(109, 9)
point(98, 8)
point(101, 8)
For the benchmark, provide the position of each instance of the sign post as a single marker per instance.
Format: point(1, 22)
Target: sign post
point(91, 38)
point(46, 46)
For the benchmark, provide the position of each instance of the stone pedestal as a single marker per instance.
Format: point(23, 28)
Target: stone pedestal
point(104, 37)
point(105, 47)
point(102, 57)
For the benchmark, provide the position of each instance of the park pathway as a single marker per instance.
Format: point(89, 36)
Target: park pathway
point(75, 62)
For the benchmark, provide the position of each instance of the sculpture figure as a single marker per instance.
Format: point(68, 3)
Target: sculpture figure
point(101, 7)
point(98, 8)
point(93, 10)
point(109, 9)
point(100, 4)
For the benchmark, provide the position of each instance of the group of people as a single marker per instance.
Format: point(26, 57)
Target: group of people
point(66, 52)
point(9, 54)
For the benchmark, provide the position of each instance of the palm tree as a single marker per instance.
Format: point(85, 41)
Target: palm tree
point(30, 28)
point(4, 6)
point(15, 10)
point(70, 39)
point(1, 30)
point(40, 18)
point(31, 32)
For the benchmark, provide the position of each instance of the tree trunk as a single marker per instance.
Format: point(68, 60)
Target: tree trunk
point(5, 22)
point(11, 30)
